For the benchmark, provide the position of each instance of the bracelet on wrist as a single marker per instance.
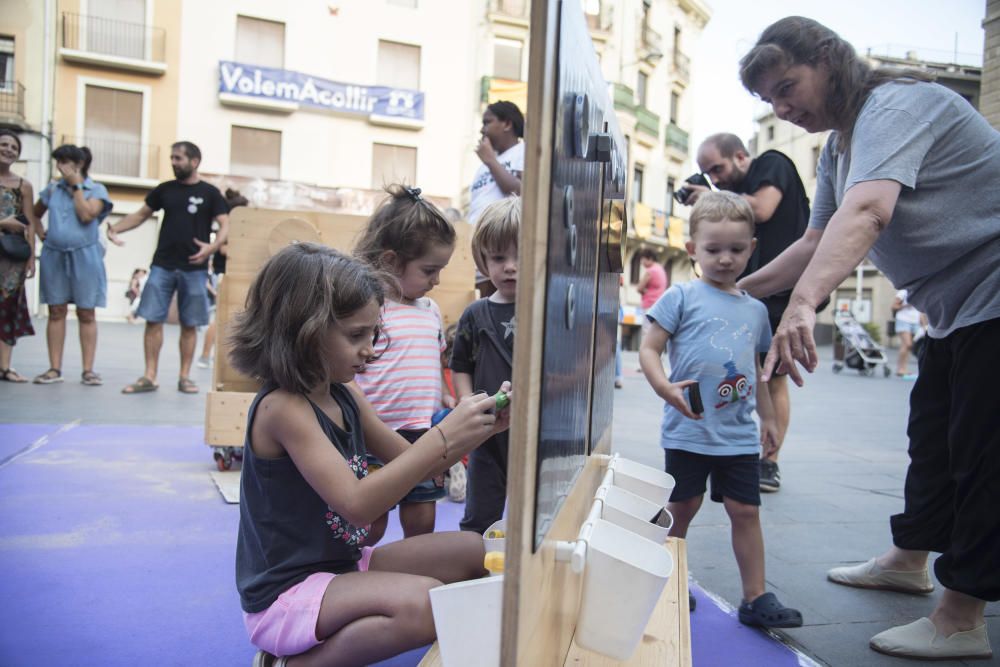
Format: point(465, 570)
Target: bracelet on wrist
point(444, 441)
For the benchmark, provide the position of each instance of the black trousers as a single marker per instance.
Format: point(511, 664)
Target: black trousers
point(486, 492)
point(952, 487)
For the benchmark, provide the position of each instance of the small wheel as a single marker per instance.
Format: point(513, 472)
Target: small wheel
point(223, 461)
point(886, 372)
point(867, 371)
point(837, 367)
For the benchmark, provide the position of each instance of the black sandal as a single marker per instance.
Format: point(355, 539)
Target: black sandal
point(767, 612)
point(10, 375)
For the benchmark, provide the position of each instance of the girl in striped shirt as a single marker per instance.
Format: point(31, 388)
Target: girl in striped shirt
point(409, 239)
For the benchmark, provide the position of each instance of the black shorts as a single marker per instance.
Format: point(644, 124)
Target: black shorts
point(735, 477)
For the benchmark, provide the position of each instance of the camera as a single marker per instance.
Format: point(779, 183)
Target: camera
point(697, 179)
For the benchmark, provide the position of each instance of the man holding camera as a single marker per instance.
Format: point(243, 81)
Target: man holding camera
point(772, 187)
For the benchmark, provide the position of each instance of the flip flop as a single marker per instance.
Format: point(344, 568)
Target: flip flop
point(141, 386)
point(187, 386)
point(767, 612)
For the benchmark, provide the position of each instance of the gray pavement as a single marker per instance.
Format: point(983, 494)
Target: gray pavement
point(843, 468)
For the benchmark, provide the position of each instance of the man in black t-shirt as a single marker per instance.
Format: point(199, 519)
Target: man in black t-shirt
point(180, 262)
point(771, 185)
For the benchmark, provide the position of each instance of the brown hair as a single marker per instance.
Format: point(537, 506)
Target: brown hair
point(297, 295)
point(496, 229)
point(717, 206)
point(795, 40)
point(405, 223)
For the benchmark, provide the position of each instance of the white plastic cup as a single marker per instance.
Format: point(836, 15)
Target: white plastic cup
point(634, 513)
point(624, 577)
point(467, 618)
point(496, 543)
point(650, 483)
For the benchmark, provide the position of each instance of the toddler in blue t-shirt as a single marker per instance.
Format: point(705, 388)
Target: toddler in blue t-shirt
point(713, 333)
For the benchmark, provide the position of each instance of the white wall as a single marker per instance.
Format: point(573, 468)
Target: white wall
point(335, 150)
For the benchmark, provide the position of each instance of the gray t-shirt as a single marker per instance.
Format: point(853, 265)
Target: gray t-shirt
point(943, 242)
point(715, 338)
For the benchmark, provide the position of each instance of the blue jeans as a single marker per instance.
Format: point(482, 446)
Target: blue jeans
point(192, 296)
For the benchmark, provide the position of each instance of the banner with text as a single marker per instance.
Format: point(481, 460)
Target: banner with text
point(294, 87)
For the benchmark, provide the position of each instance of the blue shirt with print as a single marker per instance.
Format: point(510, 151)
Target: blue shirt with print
point(715, 337)
point(64, 229)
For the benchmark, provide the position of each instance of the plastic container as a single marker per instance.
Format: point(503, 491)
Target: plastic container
point(634, 513)
point(622, 583)
point(467, 619)
point(652, 484)
point(496, 543)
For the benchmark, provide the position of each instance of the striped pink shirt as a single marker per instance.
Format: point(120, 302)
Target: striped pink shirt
point(404, 385)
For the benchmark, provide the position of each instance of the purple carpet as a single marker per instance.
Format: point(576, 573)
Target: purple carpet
point(117, 549)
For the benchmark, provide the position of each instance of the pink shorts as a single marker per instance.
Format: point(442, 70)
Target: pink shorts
point(288, 626)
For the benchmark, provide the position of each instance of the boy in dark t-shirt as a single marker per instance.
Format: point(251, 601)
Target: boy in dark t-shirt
point(180, 262)
point(483, 355)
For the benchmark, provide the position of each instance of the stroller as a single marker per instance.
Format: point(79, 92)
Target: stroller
point(854, 348)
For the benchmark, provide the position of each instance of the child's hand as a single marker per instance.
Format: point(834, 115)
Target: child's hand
point(470, 423)
point(447, 400)
point(673, 394)
point(768, 437)
point(503, 416)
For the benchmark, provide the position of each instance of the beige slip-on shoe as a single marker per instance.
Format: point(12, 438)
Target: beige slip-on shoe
point(872, 575)
point(921, 641)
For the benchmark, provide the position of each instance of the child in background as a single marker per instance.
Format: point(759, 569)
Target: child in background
point(134, 292)
point(483, 357)
point(308, 584)
point(713, 333)
point(410, 239)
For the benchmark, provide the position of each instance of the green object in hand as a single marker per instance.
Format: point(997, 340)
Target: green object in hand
point(502, 400)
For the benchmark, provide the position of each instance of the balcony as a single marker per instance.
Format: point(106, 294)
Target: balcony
point(12, 104)
point(676, 139)
point(120, 162)
point(624, 97)
point(514, 12)
point(650, 44)
point(681, 68)
point(91, 40)
point(647, 122)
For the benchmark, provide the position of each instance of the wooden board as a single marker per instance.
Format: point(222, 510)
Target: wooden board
point(667, 640)
point(254, 235)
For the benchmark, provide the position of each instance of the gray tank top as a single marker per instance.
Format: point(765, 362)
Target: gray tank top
point(287, 532)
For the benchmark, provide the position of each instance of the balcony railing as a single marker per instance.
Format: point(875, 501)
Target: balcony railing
point(681, 68)
point(515, 8)
point(119, 158)
point(647, 122)
point(624, 97)
point(676, 138)
point(114, 39)
point(11, 101)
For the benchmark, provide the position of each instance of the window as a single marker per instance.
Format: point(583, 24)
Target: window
point(671, 184)
point(393, 164)
point(260, 42)
point(398, 65)
point(255, 152)
point(637, 183)
point(507, 58)
point(6, 63)
point(675, 105)
point(112, 129)
point(641, 84)
point(770, 132)
point(116, 28)
point(677, 42)
point(592, 12)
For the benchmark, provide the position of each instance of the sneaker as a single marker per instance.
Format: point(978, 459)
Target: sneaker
point(770, 476)
point(457, 481)
point(619, 383)
point(204, 362)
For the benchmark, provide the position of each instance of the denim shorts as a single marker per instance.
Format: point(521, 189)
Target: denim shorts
point(192, 296)
point(912, 327)
point(426, 491)
point(73, 276)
